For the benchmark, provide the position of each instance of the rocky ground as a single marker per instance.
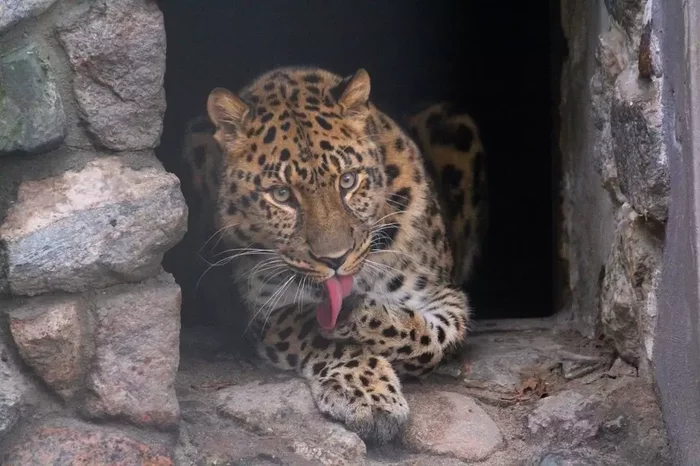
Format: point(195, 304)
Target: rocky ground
point(519, 395)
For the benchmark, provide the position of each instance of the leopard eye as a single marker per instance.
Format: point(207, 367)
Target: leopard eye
point(281, 194)
point(348, 180)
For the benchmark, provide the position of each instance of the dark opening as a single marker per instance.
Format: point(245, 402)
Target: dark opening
point(501, 60)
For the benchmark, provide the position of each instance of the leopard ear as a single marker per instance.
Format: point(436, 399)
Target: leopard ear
point(226, 110)
point(352, 94)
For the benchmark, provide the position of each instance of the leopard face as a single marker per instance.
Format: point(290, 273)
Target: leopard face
point(303, 181)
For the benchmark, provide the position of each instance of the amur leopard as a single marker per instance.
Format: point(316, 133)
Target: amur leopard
point(327, 210)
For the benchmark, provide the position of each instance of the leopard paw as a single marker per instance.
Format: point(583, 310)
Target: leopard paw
point(365, 395)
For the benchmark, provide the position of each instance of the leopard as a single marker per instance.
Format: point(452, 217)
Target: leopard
point(327, 214)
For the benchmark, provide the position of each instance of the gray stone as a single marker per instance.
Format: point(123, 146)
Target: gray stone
point(566, 414)
point(287, 411)
point(137, 330)
point(117, 50)
point(627, 13)
point(580, 457)
point(576, 365)
point(62, 442)
point(9, 408)
point(649, 315)
point(13, 387)
point(584, 243)
point(612, 57)
point(452, 424)
point(628, 285)
point(102, 225)
point(621, 369)
point(618, 307)
point(632, 424)
point(14, 11)
point(498, 366)
point(49, 334)
point(638, 144)
point(31, 111)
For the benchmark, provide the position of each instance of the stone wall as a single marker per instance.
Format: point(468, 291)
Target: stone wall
point(616, 181)
point(89, 321)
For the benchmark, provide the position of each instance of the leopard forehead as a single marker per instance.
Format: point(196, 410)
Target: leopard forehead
point(296, 133)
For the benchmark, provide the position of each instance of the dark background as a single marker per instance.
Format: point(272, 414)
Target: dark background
point(501, 60)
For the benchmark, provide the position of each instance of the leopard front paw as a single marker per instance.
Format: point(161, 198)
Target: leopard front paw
point(365, 395)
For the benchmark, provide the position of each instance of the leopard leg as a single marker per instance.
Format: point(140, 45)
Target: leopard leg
point(414, 337)
point(348, 382)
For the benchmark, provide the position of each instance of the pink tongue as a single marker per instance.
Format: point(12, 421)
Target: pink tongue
point(337, 289)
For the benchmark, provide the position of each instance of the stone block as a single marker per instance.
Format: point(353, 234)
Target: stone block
point(137, 336)
point(31, 111)
point(104, 224)
point(287, 411)
point(448, 423)
point(14, 388)
point(14, 11)
point(627, 13)
point(117, 50)
point(565, 414)
point(619, 307)
point(49, 334)
point(68, 442)
point(638, 144)
point(628, 306)
point(10, 402)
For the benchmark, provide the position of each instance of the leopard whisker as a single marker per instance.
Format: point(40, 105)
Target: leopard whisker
point(273, 305)
point(385, 217)
point(220, 230)
point(252, 319)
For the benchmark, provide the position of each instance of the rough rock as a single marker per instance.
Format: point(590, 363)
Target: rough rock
point(10, 403)
point(627, 13)
point(621, 369)
point(13, 387)
point(49, 334)
point(31, 111)
point(117, 50)
point(497, 365)
point(286, 410)
point(9, 409)
point(649, 315)
point(101, 225)
point(638, 144)
point(578, 457)
point(631, 420)
point(566, 414)
point(576, 365)
point(618, 307)
point(14, 11)
point(628, 284)
point(451, 424)
point(136, 353)
point(69, 442)
point(612, 57)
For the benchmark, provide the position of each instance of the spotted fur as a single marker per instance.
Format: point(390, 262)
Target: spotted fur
point(310, 179)
point(456, 161)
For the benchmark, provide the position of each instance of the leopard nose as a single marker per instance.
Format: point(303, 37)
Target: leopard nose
point(334, 261)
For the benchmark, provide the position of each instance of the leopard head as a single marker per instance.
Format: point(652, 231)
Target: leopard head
point(303, 178)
